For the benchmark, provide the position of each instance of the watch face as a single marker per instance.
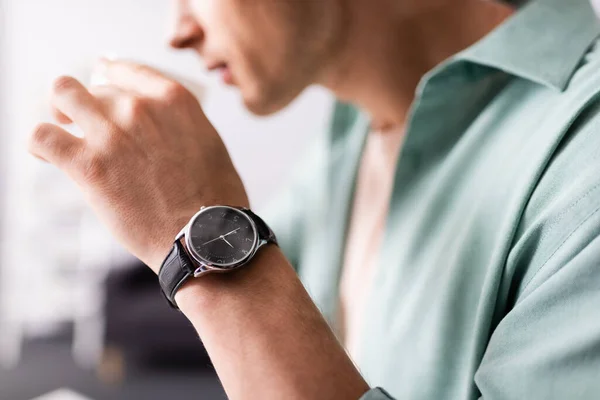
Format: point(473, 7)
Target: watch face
point(222, 236)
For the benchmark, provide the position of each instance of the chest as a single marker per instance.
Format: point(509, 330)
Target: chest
point(440, 285)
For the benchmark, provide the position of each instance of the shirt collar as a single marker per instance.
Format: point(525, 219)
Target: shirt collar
point(544, 42)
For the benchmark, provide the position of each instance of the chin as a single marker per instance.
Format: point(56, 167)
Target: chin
point(263, 107)
point(266, 102)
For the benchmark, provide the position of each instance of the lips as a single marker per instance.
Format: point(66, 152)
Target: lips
point(227, 76)
point(224, 71)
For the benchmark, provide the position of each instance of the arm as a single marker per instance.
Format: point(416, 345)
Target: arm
point(149, 160)
point(266, 338)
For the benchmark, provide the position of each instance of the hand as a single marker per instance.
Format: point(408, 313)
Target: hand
point(149, 159)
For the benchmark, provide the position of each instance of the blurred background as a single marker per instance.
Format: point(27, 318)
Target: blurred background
point(76, 311)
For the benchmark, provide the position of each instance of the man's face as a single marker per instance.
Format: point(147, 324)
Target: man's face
point(271, 50)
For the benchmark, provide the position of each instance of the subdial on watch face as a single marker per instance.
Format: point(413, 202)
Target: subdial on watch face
point(222, 236)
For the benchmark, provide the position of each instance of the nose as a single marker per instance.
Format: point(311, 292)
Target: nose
point(186, 30)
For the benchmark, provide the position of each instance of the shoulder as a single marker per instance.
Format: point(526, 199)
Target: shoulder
point(562, 215)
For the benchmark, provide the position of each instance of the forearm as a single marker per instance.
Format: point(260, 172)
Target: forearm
point(150, 158)
point(266, 337)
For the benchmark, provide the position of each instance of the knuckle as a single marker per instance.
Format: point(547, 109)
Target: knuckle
point(94, 167)
point(134, 106)
point(63, 83)
point(173, 91)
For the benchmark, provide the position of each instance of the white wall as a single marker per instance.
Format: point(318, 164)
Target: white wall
point(46, 38)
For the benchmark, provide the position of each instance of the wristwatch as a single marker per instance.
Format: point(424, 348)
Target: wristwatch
point(217, 239)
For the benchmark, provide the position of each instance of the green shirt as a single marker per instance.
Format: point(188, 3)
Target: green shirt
point(488, 282)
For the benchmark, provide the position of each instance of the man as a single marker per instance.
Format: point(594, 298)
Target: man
point(448, 232)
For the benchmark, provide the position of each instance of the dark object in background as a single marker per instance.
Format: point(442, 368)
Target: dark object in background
point(145, 329)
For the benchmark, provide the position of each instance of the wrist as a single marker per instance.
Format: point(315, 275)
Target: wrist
point(163, 243)
point(262, 272)
point(168, 230)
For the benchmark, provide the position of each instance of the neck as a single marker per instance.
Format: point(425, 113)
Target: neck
point(387, 50)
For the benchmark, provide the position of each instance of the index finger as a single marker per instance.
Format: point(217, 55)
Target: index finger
point(74, 102)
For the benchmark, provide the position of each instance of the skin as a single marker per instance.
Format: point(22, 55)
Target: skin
point(150, 158)
point(274, 49)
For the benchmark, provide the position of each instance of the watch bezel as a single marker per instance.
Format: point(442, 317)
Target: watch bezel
point(209, 264)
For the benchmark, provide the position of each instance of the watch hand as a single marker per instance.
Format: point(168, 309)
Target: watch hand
point(231, 233)
point(214, 240)
point(222, 237)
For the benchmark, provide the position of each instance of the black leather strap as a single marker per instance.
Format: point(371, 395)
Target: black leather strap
point(178, 267)
point(175, 270)
point(264, 232)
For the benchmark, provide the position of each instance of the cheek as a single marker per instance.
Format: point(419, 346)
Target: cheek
point(258, 40)
point(254, 63)
point(249, 33)
point(258, 31)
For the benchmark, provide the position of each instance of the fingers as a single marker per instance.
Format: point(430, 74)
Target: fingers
point(71, 101)
point(140, 79)
point(108, 96)
point(60, 117)
point(55, 145)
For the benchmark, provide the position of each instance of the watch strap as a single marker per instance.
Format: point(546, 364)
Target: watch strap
point(175, 270)
point(264, 232)
point(178, 267)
